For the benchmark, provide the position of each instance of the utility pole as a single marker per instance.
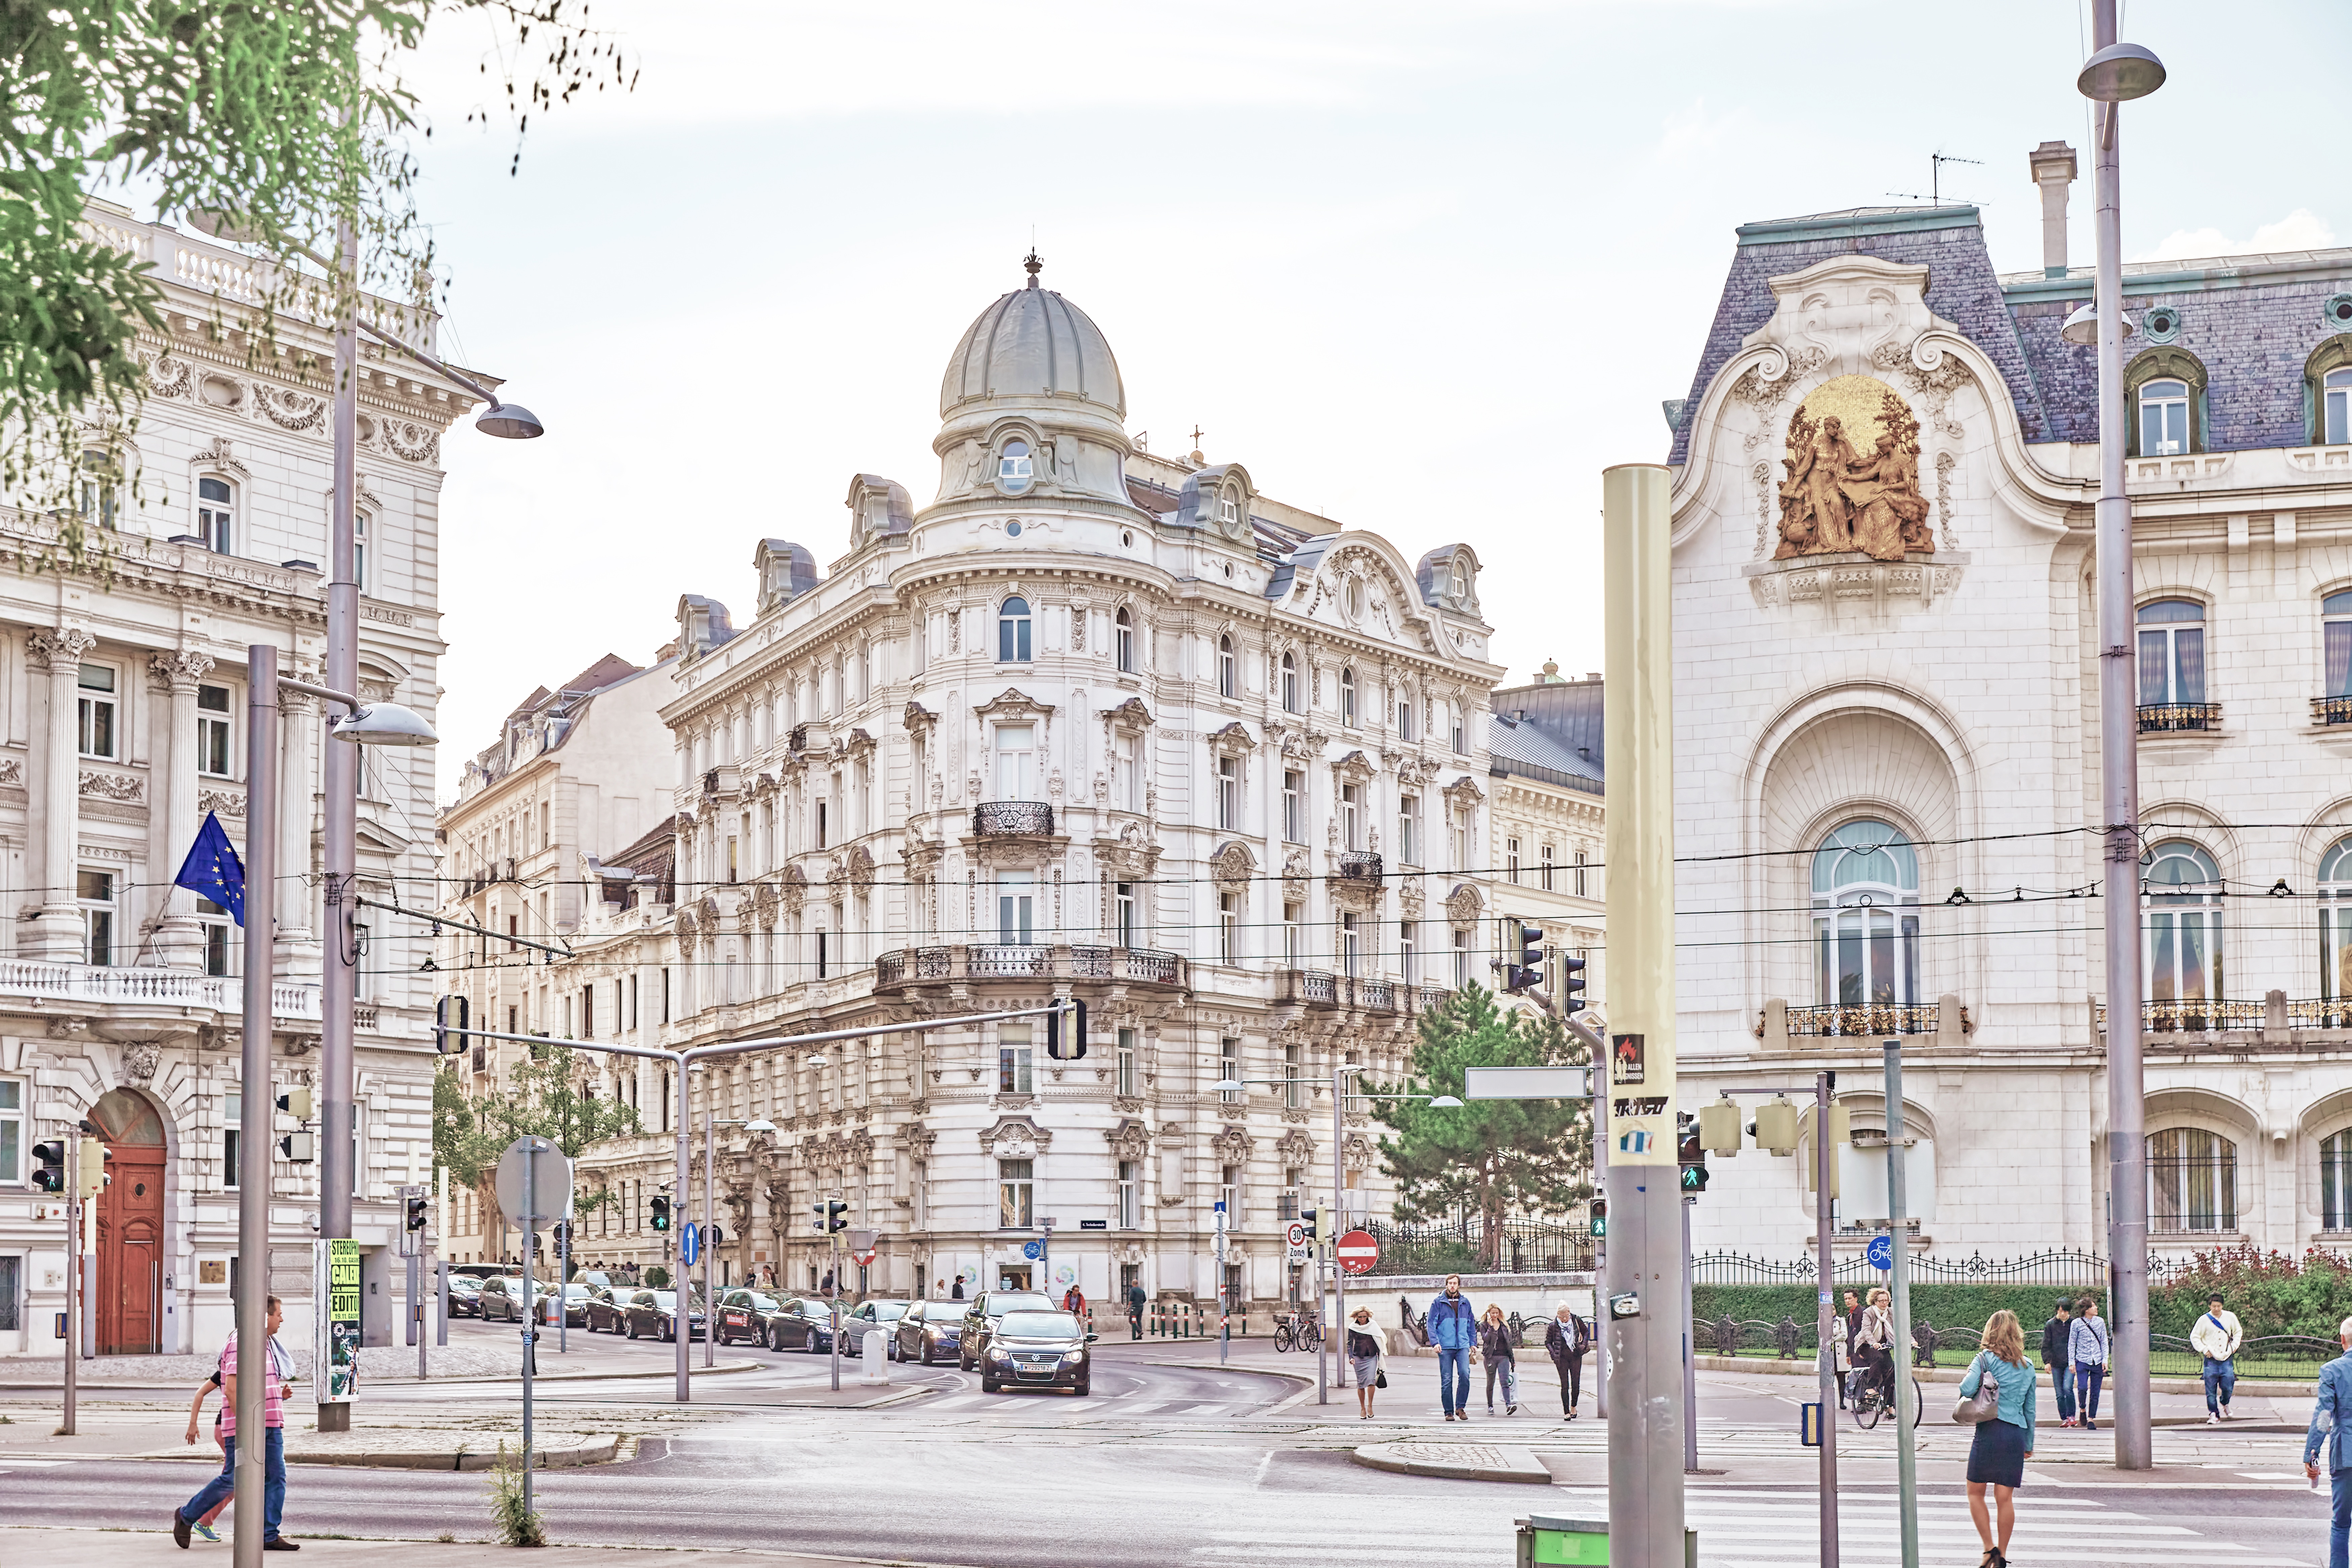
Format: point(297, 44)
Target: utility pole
point(74, 1304)
point(1825, 1227)
point(1638, 1320)
point(1907, 1440)
point(254, 1366)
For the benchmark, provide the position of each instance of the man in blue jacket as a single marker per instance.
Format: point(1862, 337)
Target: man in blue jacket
point(2328, 1414)
point(1454, 1330)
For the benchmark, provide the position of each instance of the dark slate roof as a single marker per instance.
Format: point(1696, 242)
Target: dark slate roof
point(1961, 288)
point(2251, 321)
point(1550, 732)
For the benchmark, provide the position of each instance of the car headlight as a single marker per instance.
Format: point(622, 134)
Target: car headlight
point(997, 1352)
point(1079, 1354)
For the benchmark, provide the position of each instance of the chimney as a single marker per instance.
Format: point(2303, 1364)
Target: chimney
point(2054, 170)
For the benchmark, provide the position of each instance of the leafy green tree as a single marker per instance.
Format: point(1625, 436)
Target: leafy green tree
point(292, 117)
point(1492, 1157)
point(548, 1095)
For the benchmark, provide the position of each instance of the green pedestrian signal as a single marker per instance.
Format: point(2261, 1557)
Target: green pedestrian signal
point(1690, 1152)
point(1599, 1217)
point(1694, 1178)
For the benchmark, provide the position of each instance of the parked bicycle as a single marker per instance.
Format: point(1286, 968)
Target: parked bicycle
point(1299, 1331)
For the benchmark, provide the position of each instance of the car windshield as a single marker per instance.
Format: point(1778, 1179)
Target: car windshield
point(1039, 1325)
point(464, 1282)
point(665, 1300)
point(891, 1311)
point(580, 1293)
point(999, 1305)
point(768, 1304)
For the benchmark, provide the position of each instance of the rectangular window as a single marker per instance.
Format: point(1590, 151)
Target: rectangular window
point(1407, 952)
point(588, 1013)
point(360, 551)
point(1127, 785)
point(1014, 1182)
point(12, 1131)
point(823, 956)
point(1511, 859)
point(97, 711)
point(216, 524)
point(95, 892)
point(1294, 1091)
point(1581, 889)
point(1294, 915)
point(232, 1122)
point(1229, 793)
point(218, 947)
point(821, 829)
point(1409, 829)
point(1016, 762)
point(1461, 842)
point(665, 994)
point(213, 732)
point(1229, 1193)
point(1293, 1181)
point(632, 1022)
point(1404, 719)
point(1129, 1180)
point(734, 863)
point(1461, 958)
point(1458, 731)
point(1013, 1061)
point(1228, 1067)
point(1545, 868)
point(1351, 811)
point(1127, 1063)
point(1294, 806)
point(1123, 913)
point(1015, 902)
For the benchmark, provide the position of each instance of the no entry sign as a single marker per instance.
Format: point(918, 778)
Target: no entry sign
point(1359, 1252)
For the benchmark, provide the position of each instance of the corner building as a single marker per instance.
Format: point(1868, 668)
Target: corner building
point(1096, 723)
point(1887, 737)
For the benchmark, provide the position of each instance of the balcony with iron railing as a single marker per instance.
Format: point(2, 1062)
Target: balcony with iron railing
point(1012, 819)
point(1778, 1023)
point(2277, 1020)
point(1322, 988)
point(1358, 865)
point(2331, 710)
point(2165, 719)
point(1026, 961)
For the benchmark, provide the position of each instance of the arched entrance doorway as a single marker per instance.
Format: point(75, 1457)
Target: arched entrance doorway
point(130, 1226)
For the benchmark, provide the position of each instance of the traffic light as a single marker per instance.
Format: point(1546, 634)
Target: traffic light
point(49, 1166)
point(1523, 965)
point(713, 1235)
point(415, 1217)
point(562, 1233)
point(94, 1155)
point(830, 1215)
point(451, 1015)
point(661, 1213)
point(1066, 1031)
point(1571, 985)
point(1308, 1218)
point(296, 1148)
point(1689, 1151)
point(1718, 1127)
point(1600, 1217)
point(296, 1102)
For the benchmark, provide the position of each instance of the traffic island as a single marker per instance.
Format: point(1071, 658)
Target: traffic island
point(430, 1449)
point(1456, 1461)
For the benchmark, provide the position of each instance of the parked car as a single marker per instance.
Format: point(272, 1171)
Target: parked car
point(804, 1324)
point(576, 1306)
point(980, 1317)
point(928, 1331)
point(653, 1313)
point(502, 1298)
point(606, 1307)
point(744, 1315)
point(869, 1316)
point(465, 1296)
point(477, 1272)
point(1030, 1348)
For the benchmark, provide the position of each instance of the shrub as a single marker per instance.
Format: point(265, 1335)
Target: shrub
point(2272, 1292)
point(657, 1278)
point(1945, 1306)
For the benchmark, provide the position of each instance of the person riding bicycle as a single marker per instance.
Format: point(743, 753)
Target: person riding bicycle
point(1873, 1344)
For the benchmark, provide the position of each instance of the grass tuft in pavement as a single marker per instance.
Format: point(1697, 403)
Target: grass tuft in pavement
point(518, 1525)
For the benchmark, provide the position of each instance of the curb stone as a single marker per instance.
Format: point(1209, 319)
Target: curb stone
point(1455, 1461)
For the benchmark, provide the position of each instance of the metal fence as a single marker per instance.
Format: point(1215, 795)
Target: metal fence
point(2283, 1357)
point(1466, 1247)
point(2064, 1268)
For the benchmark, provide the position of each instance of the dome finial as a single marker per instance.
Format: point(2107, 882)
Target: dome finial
point(1034, 264)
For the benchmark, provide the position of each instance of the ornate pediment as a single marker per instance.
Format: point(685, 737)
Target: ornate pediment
point(919, 719)
point(1464, 905)
point(1232, 740)
point(1131, 1140)
point(1232, 1144)
point(1015, 1138)
point(1129, 715)
point(1233, 865)
point(1464, 792)
point(795, 888)
point(1297, 1149)
point(1131, 854)
point(1012, 703)
point(1355, 768)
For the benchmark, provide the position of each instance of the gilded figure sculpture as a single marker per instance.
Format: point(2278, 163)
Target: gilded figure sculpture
point(1838, 498)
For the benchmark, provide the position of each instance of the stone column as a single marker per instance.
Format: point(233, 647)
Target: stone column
point(179, 940)
point(300, 959)
point(56, 932)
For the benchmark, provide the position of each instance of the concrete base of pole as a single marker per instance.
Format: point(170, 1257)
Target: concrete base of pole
point(335, 1417)
point(1646, 1367)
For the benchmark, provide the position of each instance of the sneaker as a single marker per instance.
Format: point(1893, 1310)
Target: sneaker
point(207, 1531)
point(2212, 1420)
point(2225, 1410)
point(1513, 1409)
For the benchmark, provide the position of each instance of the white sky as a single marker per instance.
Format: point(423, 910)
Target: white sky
point(1425, 270)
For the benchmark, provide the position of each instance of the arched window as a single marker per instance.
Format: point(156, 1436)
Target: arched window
point(2163, 417)
point(2192, 1181)
point(1866, 918)
point(1346, 696)
point(1013, 469)
point(1012, 633)
point(2335, 1181)
point(2171, 664)
point(1290, 683)
point(1228, 673)
point(1125, 627)
point(216, 514)
point(2181, 944)
point(2336, 932)
point(2336, 408)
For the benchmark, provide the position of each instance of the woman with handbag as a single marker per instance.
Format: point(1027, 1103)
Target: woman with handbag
point(1566, 1338)
point(1497, 1347)
point(1365, 1354)
point(1997, 1398)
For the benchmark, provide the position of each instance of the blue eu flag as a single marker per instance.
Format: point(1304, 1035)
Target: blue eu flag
point(213, 868)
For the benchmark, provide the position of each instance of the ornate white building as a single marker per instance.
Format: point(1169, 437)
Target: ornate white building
point(1551, 821)
point(124, 726)
point(1091, 723)
point(1887, 737)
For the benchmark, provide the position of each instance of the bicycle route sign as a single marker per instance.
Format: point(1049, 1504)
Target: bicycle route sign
point(1358, 1252)
point(1882, 1250)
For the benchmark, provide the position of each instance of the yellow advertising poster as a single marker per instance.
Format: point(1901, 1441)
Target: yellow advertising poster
point(335, 1342)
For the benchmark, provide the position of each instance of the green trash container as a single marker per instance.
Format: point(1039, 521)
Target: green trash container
point(1563, 1541)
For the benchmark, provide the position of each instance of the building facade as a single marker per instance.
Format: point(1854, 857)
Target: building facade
point(125, 694)
point(1094, 722)
point(1550, 822)
point(1887, 734)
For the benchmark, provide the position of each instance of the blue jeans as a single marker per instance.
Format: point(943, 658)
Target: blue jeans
point(2221, 1378)
point(2062, 1382)
point(218, 1489)
point(2339, 1523)
point(1454, 1380)
point(2086, 1389)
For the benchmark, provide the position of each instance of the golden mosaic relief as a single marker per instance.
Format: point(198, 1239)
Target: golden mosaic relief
point(1853, 481)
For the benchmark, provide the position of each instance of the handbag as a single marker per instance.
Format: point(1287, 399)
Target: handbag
point(1984, 1404)
point(1379, 1379)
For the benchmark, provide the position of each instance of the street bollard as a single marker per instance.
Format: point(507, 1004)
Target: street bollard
point(877, 1366)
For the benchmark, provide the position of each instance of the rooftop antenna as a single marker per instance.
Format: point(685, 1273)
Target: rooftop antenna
point(1936, 161)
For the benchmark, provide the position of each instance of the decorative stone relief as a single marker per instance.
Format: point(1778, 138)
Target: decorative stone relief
point(119, 787)
point(221, 802)
point(182, 669)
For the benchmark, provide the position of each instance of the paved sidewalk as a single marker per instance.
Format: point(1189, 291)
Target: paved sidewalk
point(113, 1548)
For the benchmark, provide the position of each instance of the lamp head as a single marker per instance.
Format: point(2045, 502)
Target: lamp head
point(819, 1059)
point(1229, 1085)
point(384, 724)
point(1446, 1102)
point(2119, 73)
point(511, 422)
point(760, 1125)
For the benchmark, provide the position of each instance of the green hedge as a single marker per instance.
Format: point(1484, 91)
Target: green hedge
point(1946, 1306)
point(2272, 1292)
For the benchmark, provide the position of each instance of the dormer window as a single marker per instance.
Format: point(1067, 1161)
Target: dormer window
point(1012, 633)
point(1226, 511)
point(2163, 418)
point(2336, 408)
point(1013, 469)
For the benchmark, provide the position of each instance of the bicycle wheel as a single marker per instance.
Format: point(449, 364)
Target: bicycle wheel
point(1282, 1337)
point(1868, 1407)
point(1310, 1336)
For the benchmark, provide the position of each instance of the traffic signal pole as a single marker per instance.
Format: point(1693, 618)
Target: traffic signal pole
point(710, 1213)
point(74, 1305)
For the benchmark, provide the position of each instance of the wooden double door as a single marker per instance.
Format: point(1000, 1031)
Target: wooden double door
point(130, 1293)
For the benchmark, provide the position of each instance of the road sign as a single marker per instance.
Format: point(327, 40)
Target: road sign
point(689, 1244)
point(550, 1176)
point(1358, 1252)
point(1881, 1252)
point(1094, 1224)
point(865, 1260)
point(1526, 1084)
point(1033, 1251)
point(863, 1238)
point(1295, 1234)
point(1224, 1220)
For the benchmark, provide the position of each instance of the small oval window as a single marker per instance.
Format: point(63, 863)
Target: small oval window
point(1013, 471)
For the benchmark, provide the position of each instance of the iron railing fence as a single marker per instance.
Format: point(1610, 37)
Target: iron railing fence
point(1466, 1246)
point(1867, 1020)
point(2063, 1268)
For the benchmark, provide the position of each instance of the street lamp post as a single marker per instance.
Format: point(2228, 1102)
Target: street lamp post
point(2113, 75)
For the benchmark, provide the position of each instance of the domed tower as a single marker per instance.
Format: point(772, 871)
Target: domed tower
point(1032, 405)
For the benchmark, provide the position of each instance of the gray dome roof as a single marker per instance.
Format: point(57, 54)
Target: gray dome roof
point(1032, 342)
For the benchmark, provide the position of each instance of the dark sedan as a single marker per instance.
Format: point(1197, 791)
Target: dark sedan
point(654, 1314)
point(744, 1315)
point(930, 1331)
point(868, 1317)
point(465, 1296)
point(805, 1323)
point(979, 1316)
point(606, 1308)
point(1037, 1350)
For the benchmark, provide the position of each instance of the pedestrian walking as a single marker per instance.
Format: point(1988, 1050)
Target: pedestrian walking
point(1366, 1356)
point(204, 1526)
point(2086, 1347)
point(1454, 1330)
point(222, 1487)
point(1499, 1348)
point(2331, 1412)
point(1567, 1339)
point(2053, 1359)
point(2217, 1337)
point(957, 1294)
point(1851, 1319)
point(1135, 1309)
point(1074, 1301)
point(1997, 1457)
point(826, 1289)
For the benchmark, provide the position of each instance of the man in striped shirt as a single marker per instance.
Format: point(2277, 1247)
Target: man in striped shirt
point(222, 1486)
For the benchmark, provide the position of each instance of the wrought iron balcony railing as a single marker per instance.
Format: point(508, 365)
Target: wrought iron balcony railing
point(1359, 865)
point(1006, 818)
point(1862, 1021)
point(2157, 718)
point(2331, 710)
point(2324, 1012)
point(1022, 960)
point(1322, 988)
point(2196, 1015)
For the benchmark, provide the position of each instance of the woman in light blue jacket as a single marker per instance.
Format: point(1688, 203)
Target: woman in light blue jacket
point(1996, 1459)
